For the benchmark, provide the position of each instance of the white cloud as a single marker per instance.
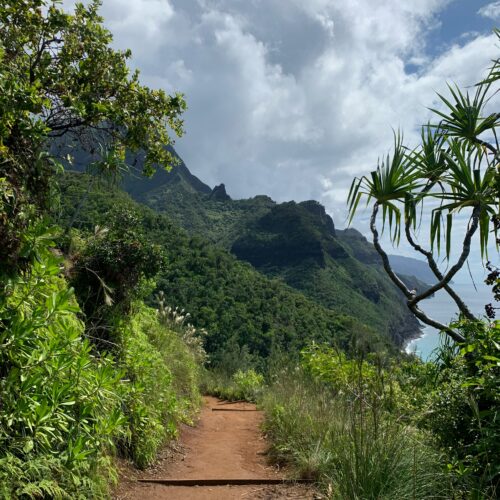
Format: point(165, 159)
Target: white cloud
point(139, 19)
point(292, 98)
point(491, 10)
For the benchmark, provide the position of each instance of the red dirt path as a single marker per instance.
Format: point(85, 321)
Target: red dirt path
point(224, 445)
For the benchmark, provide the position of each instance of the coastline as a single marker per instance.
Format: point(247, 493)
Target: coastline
point(443, 309)
point(408, 341)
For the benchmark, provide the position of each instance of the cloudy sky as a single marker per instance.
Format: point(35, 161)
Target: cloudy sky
point(293, 98)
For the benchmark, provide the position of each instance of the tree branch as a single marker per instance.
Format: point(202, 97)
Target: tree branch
point(39, 54)
point(432, 264)
point(457, 337)
point(385, 260)
point(411, 303)
point(487, 145)
point(461, 261)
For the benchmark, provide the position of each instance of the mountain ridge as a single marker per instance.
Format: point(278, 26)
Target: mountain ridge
point(244, 312)
point(296, 242)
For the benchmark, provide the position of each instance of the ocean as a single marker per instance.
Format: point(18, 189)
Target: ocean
point(442, 308)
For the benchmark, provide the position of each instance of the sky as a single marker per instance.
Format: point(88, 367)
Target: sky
point(294, 98)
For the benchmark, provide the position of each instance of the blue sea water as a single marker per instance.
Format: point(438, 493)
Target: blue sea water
point(442, 308)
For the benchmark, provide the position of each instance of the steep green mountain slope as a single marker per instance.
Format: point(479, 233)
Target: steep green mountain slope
point(180, 178)
point(212, 213)
point(236, 304)
point(296, 242)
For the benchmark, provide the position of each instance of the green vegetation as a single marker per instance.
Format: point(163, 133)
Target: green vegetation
point(70, 399)
point(243, 385)
point(59, 77)
point(237, 306)
point(373, 427)
point(342, 422)
point(86, 373)
point(99, 357)
point(295, 242)
point(463, 411)
point(60, 403)
point(163, 388)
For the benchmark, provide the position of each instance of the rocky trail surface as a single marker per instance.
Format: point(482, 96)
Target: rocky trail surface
point(223, 445)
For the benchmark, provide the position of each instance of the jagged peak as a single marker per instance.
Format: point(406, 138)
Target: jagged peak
point(219, 193)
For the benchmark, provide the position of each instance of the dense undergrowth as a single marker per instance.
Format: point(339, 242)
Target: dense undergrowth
point(373, 428)
point(71, 402)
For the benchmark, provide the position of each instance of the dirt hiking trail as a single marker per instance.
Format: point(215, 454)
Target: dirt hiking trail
point(223, 445)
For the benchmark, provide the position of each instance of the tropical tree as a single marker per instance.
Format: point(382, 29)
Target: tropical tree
point(61, 79)
point(454, 171)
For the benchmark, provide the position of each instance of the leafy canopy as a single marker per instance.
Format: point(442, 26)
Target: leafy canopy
point(60, 75)
point(60, 79)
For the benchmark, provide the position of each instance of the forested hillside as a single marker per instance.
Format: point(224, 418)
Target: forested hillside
point(241, 309)
point(296, 242)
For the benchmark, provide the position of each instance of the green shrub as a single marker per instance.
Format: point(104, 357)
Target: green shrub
point(244, 385)
point(47, 476)
point(58, 399)
point(332, 367)
point(183, 352)
point(113, 269)
point(463, 411)
point(342, 438)
point(162, 388)
point(248, 384)
point(150, 402)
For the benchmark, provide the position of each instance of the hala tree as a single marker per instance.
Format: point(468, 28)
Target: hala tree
point(454, 170)
point(60, 77)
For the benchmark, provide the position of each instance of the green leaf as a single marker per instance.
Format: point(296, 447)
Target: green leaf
point(28, 446)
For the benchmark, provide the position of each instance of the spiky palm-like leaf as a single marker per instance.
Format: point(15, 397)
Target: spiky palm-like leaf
point(463, 116)
point(468, 186)
point(429, 159)
point(494, 73)
point(389, 184)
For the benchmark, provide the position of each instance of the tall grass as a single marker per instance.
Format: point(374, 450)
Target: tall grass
point(354, 448)
point(162, 384)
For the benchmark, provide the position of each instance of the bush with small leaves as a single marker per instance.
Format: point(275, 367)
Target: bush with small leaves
point(110, 271)
point(463, 410)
